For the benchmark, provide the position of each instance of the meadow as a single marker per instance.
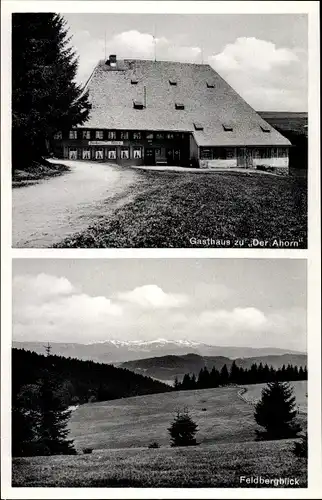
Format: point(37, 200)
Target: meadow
point(120, 432)
point(170, 209)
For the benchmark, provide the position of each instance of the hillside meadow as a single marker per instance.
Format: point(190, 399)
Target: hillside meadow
point(183, 209)
point(120, 431)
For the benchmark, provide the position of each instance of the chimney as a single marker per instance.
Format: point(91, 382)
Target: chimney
point(112, 61)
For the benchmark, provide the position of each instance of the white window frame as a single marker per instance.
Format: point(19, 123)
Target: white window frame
point(58, 135)
point(124, 135)
point(86, 134)
point(111, 135)
point(137, 136)
point(71, 153)
point(113, 156)
point(99, 154)
point(73, 134)
point(138, 150)
point(99, 134)
point(125, 150)
point(86, 154)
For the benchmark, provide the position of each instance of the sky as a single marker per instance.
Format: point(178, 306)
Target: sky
point(226, 302)
point(262, 56)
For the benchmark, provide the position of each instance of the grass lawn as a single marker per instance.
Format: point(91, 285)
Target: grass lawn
point(170, 208)
point(120, 431)
point(219, 465)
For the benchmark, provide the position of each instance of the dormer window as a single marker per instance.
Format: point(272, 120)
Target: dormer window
point(179, 105)
point(134, 81)
point(198, 126)
point(210, 85)
point(265, 128)
point(173, 81)
point(227, 127)
point(138, 105)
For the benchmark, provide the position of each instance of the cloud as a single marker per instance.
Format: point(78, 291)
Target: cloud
point(267, 77)
point(51, 308)
point(130, 44)
point(42, 286)
point(245, 318)
point(48, 305)
point(152, 296)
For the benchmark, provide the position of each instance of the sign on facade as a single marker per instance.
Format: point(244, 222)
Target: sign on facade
point(105, 143)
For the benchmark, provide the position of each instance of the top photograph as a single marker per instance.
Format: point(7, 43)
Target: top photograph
point(159, 130)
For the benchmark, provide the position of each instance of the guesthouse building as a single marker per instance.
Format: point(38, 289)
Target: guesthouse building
point(170, 113)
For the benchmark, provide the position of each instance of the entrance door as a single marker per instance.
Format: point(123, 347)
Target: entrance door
point(170, 157)
point(176, 156)
point(244, 158)
point(149, 156)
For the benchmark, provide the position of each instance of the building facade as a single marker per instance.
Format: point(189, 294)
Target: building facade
point(169, 113)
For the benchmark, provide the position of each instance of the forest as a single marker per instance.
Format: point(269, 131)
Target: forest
point(256, 374)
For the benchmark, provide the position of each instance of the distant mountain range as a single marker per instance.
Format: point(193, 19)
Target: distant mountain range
point(116, 351)
point(166, 368)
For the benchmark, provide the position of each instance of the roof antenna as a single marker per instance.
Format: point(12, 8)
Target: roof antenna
point(155, 44)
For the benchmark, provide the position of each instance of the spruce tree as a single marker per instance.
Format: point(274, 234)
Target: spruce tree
point(224, 375)
point(183, 430)
point(276, 412)
point(45, 95)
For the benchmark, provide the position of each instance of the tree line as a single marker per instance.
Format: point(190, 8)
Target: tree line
point(256, 374)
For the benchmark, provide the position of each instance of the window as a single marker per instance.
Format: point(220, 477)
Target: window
point(124, 135)
point(198, 126)
point(206, 154)
point(159, 135)
point(99, 154)
point(137, 153)
point(134, 81)
point(125, 153)
point(173, 81)
point(86, 134)
point(111, 154)
point(73, 134)
point(228, 127)
point(149, 135)
point(58, 135)
point(210, 85)
point(138, 105)
point(86, 154)
point(179, 105)
point(136, 135)
point(99, 134)
point(73, 154)
point(170, 135)
point(111, 135)
point(282, 153)
point(265, 128)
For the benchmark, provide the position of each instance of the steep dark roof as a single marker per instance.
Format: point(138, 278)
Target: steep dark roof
point(112, 96)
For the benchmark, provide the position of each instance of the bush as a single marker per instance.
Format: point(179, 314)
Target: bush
point(300, 448)
point(87, 451)
point(154, 445)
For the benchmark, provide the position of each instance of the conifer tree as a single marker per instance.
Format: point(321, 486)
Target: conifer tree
point(183, 430)
point(45, 96)
point(224, 375)
point(276, 412)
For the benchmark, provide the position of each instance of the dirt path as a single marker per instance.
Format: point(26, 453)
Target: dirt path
point(47, 212)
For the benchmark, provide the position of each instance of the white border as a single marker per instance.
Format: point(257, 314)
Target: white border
point(314, 331)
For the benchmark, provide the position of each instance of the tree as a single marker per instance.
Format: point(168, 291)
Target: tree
point(183, 430)
point(276, 412)
point(45, 97)
point(224, 375)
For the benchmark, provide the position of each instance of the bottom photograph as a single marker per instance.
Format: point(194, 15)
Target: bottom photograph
point(159, 373)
